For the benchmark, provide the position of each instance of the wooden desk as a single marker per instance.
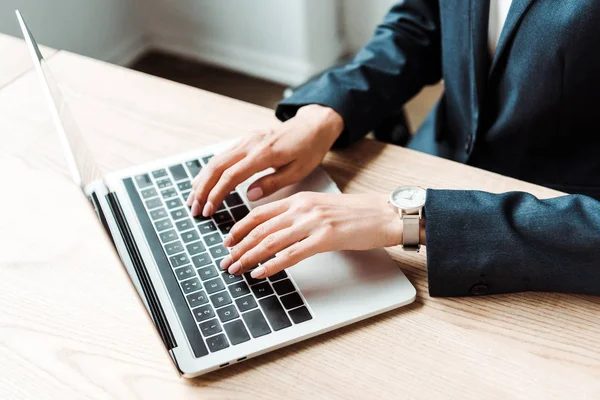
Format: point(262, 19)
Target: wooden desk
point(72, 326)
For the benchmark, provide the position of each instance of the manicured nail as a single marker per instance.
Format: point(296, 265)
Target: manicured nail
point(235, 268)
point(190, 198)
point(258, 273)
point(226, 262)
point(208, 209)
point(195, 208)
point(227, 241)
point(255, 194)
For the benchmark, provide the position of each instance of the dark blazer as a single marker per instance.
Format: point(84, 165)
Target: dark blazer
point(530, 112)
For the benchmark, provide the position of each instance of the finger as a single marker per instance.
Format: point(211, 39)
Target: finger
point(269, 184)
point(255, 237)
point(256, 217)
point(291, 256)
point(230, 178)
point(269, 246)
point(210, 175)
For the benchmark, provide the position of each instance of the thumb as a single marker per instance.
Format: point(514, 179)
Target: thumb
point(269, 184)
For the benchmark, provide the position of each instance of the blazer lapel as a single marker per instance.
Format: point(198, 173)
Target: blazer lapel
point(517, 10)
point(480, 57)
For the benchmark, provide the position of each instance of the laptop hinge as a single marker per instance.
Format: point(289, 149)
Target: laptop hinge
point(154, 306)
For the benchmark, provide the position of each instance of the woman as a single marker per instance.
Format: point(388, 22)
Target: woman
point(521, 91)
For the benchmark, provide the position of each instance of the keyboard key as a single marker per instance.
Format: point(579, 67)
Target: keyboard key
point(168, 236)
point(221, 207)
point(214, 286)
point(185, 185)
point(291, 300)
point(207, 227)
point(174, 248)
point(256, 323)
point(185, 272)
point(147, 193)
point(203, 313)
point(220, 299)
point(185, 195)
point(233, 199)
point(227, 313)
point(158, 214)
point(153, 203)
point(143, 181)
point(212, 239)
point(190, 236)
point(222, 216)
point(191, 285)
point(262, 290)
point(197, 299)
point(252, 281)
point(207, 273)
point(168, 193)
point(275, 313)
point(284, 287)
point(164, 183)
point(206, 159)
point(239, 212)
point(163, 225)
point(218, 251)
point(236, 332)
point(178, 172)
point(184, 225)
point(239, 289)
point(159, 173)
point(211, 327)
point(194, 167)
point(195, 248)
point(216, 343)
point(173, 203)
point(201, 260)
point(179, 213)
point(225, 228)
point(179, 260)
point(278, 276)
point(246, 303)
point(300, 315)
point(230, 278)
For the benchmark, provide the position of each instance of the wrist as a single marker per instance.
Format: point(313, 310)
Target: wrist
point(394, 229)
point(326, 119)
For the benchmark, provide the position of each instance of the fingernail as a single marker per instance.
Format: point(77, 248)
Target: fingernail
point(190, 198)
point(227, 241)
point(235, 268)
point(208, 209)
point(254, 194)
point(195, 208)
point(226, 262)
point(258, 273)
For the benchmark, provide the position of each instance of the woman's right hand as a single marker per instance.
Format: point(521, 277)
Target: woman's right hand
point(293, 149)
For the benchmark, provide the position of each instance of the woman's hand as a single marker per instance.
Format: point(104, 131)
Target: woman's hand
point(306, 224)
point(293, 149)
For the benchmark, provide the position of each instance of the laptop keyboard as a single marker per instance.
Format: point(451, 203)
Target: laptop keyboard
point(228, 309)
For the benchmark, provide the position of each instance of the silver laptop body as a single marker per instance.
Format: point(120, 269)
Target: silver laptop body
point(208, 319)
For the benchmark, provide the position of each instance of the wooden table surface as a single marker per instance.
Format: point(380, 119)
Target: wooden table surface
point(72, 325)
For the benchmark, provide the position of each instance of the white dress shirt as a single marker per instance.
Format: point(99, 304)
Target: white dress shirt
point(498, 12)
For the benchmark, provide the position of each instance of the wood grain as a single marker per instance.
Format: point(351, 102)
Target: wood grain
point(71, 325)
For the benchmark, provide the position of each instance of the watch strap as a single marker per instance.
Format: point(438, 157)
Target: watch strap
point(411, 232)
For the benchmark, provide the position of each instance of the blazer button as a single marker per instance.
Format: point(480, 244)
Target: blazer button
point(468, 144)
point(479, 289)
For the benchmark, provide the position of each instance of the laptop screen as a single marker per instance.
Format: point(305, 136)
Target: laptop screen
point(80, 162)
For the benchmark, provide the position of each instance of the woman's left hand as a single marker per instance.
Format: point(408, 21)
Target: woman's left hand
point(306, 224)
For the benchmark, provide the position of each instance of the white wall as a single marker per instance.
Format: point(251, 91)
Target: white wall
point(360, 17)
point(108, 30)
point(285, 41)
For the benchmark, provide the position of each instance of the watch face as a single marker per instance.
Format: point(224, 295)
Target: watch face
point(408, 197)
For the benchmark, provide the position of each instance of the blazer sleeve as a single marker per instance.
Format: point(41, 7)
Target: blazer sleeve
point(403, 56)
point(482, 243)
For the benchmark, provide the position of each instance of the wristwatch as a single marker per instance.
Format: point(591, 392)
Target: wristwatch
point(408, 201)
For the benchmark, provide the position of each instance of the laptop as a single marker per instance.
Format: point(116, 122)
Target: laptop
point(207, 318)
